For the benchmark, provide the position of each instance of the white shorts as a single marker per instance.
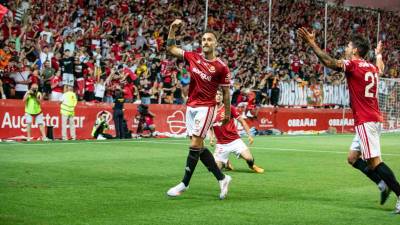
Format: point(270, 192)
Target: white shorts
point(222, 151)
point(56, 96)
point(38, 118)
point(199, 120)
point(367, 140)
point(68, 79)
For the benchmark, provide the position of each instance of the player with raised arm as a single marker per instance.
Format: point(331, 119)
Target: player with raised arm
point(362, 80)
point(207, 74)
point(228, 139)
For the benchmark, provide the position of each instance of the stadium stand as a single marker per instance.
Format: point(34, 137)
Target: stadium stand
point(120, 45)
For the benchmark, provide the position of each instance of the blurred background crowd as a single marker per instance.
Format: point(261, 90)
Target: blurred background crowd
point(100, 46)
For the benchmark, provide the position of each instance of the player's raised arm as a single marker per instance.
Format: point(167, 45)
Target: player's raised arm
point(379, 60)
point(171, 41)
point(327, 60)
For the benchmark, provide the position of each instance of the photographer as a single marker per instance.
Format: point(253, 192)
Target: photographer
point(146, 121)
point(32, 99)
point(100, 126)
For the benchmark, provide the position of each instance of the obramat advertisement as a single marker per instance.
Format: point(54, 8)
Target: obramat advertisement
point(169, 119)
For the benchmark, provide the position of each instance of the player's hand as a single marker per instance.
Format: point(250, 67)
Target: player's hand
point(176, 24)
point(212, 142)
point(251, 140)
point(379, 48)
point(306, 36)
point(226, 119)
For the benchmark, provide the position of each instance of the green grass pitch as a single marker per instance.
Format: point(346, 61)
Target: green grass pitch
point(307, 181)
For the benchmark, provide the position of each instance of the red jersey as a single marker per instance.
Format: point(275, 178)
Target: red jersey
point(296, 65)
point(251, 101)
point(56, 80)
point(362, 79)
point(227, 133)
point(129, 90)
point(34, 79)
point(89, 84)
point(205, 78)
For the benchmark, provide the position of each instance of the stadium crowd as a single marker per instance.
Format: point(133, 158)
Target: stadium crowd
point(103, 46)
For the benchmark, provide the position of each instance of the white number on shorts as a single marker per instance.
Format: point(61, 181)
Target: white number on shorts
point(374, 77)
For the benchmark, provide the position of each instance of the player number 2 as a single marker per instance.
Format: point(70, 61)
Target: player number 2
point(374, 77)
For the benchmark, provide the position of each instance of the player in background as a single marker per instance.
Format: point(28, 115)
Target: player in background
point(207, 74)
point(362, 80)
point(228, 139)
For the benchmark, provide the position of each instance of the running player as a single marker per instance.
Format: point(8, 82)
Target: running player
point(228, 139)
point(207, 74)
point(362, 79)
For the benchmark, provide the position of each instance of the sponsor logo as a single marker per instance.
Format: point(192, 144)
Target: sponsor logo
point(264, 122)
point(19, 122)
point(201, 74)
point(306, 122)
point(176, 122)
point(108, 115)
point(365, 64)
point(341, 122)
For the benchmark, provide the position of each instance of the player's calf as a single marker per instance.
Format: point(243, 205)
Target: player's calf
point(208, 160)
point(246, 155)
point(388, 176)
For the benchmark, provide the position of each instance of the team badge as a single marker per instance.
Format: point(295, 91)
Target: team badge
point(211, 69)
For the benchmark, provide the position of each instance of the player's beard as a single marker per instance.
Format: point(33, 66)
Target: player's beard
point(207, 49)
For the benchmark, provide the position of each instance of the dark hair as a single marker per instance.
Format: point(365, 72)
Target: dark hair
point(362, 45)
point(211, 32)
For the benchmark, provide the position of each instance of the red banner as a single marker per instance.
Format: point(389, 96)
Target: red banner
point(169, 119)
point(289, 119)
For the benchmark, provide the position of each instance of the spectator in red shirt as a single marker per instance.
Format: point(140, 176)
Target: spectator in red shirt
point(89, 87)
point(56, 87)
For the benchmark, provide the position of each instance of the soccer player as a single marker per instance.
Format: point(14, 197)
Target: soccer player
point(228, 140)
point(207, 74)
point(362, 79)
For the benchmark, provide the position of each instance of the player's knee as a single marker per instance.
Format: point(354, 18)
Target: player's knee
point(351, 159)
point(373, 162)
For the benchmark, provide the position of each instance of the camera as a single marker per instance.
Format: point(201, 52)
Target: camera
point(34, 91)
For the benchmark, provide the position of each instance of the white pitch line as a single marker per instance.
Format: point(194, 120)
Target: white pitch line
point(180, 142)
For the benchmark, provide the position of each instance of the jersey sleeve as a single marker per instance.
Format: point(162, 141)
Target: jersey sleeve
point(188, 56)
point(348, 66)
point(234, 113)
point(225, 79)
